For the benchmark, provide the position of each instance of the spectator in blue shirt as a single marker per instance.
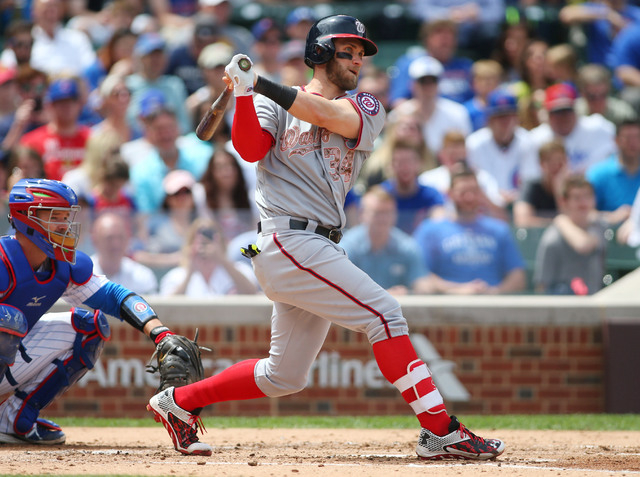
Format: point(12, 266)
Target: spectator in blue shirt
point(415, 201)
point(471, 254)
point(440, 42)
point(617, 179)
point(388, 255)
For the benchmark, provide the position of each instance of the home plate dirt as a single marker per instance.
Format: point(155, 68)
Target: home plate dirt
point(320, 452)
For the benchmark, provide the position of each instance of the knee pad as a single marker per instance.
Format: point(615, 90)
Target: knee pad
point(13, 327)
point(92, 330)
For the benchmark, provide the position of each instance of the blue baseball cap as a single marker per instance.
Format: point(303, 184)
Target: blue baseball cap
point(65, 88)
point(152, 101)
point(501, 102)
point(261, 27)
point(300, 14)
point(148, 43)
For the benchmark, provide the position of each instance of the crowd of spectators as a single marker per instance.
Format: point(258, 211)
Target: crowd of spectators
point(495, 122)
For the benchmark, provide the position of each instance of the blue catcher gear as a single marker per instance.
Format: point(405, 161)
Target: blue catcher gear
point(44, 211)
point(13, 327)
point(320, 48)
point(92, 331)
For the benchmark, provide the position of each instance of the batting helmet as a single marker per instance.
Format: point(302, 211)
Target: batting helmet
point(55, 233)
point(320, 48)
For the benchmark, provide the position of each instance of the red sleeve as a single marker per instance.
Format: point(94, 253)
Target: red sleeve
point(249, 139)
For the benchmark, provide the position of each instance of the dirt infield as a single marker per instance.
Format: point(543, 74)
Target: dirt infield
point(320, 452)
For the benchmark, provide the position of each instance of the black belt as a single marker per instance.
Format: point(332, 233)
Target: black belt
point(335, 235)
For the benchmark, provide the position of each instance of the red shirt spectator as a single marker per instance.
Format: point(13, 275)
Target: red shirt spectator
point(61, 142)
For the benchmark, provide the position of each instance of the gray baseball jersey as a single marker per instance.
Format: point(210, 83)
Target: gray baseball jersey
point(306, 175)
point(309, 170)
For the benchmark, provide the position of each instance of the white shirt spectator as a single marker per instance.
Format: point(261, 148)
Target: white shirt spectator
point(68, 52)
point(510, 167)
point(592, 140)
point(219, 284)
point(447, 116)
point(132, 275)
point(440, 179)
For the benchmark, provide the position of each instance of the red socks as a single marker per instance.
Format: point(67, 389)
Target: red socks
point(399, 363)
point(235, 383)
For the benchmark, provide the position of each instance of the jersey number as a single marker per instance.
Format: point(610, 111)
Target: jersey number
point(340, 166)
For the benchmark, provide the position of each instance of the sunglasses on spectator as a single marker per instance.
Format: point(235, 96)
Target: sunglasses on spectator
point(22, 44)
point(425, 80)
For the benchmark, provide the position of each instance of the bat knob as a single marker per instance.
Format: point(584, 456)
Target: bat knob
point(244, 64)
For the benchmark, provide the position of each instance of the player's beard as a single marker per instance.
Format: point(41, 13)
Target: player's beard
point(340, 76)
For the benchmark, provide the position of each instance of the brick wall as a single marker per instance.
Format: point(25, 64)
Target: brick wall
point(511, 358)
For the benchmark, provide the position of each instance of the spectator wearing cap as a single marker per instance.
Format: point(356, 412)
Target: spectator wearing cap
point(211, 62)
point(150, 62)
point(587, 139)
point(237, 36)
point(439, 40)
point(298, 22)
point(167, 227)
point(503, 148)
point(183, 60)
point(167, 153)
point(61, 142)
point(58, 49)
point(437, 115)
point(267, 46)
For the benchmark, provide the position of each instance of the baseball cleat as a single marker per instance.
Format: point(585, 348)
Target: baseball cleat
point(460, 443)
point(181, 424)
point(43, 432)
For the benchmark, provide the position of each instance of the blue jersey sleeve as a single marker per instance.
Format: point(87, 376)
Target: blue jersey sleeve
point(108, 299)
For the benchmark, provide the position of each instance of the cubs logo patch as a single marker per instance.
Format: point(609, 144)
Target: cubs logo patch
point(140, 307)
point(368, 103)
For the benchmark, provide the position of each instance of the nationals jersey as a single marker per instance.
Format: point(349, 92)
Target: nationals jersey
point(309, 170)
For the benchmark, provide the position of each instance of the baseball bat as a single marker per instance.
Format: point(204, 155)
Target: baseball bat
point(212, 118)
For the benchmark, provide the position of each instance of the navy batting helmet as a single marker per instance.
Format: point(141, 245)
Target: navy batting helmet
point(320, 47)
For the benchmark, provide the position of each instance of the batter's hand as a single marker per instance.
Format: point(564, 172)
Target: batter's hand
point(241, 77)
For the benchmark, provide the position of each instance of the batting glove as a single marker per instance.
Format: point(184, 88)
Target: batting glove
point(242, 80)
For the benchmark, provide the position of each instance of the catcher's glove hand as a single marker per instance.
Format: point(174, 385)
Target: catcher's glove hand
point(178, 360)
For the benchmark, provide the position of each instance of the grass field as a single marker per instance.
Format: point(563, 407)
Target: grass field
point(568, 422)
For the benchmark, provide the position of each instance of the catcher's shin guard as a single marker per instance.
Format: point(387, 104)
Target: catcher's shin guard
point(92, 331)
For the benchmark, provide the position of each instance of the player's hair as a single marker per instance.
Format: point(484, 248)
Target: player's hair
point(486, 68)
point(575, 181)
point(593, 74)
point(548, 148)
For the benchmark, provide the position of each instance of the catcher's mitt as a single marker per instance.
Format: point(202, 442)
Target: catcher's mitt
point(178, 360)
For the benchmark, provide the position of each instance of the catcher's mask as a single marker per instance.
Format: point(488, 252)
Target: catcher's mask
point(320, 47)
point(44, 211)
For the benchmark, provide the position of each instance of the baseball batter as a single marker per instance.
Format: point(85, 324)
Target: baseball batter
point(310, 143)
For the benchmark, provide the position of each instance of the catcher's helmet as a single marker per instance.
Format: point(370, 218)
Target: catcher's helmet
point(57, 234)
point(320, 48)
